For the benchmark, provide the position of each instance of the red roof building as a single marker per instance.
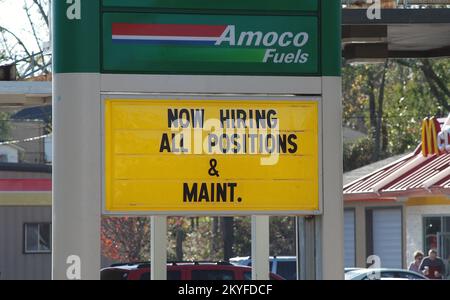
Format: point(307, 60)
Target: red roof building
point(404, 206)
point(25, 221)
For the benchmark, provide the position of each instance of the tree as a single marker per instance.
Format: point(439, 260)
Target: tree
point(29, 62)
point(408, 101)
point(242, 241)
point(126, 239)
point(4, 117)
point(178, 228)
point(227, 225)
point(198, 238)
point(388, 101)
point(437, 75)
point(364, 86)
point(358, 154)
point(282, 236)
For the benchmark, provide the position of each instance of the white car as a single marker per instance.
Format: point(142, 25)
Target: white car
point(383, 274)
point(285, 266)
point(346, 270)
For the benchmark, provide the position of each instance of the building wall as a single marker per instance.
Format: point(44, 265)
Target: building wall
point(361, 226)
point(14, 264)
point(48, 149)
point(23, 175)
point(415, 211)
point(11, 153)
point(34, 150)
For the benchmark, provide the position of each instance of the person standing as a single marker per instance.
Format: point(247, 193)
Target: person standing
point(432, 266)
point(414, 265)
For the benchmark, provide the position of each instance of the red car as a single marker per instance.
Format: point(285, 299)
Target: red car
point(182, 271)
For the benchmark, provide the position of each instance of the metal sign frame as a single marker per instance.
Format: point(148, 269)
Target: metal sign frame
point(212, 97)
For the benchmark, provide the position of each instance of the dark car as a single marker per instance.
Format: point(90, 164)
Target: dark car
point(285, 266)
point(182, 271)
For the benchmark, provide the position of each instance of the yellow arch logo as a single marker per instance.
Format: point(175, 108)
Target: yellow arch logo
point(430, 131)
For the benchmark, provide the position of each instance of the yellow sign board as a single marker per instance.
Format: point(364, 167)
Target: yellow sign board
point(167, 155)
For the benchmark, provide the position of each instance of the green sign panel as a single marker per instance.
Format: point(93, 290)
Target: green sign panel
point(254, 5)
point(229, 37)
point(210, 44)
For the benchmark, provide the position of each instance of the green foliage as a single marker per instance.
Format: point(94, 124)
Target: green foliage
point(358, 154)
point(282, 236)
point(128, 239)
point(242, 238)
point(355, 103)
point(199, 241)
point(409, 97)
point(125, 239)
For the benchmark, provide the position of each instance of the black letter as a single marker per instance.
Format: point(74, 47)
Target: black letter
point(261, 119)
point(241, 117)
point(203, 193)
point(221, 192)
point(272, 121)
point(236, 144)
point(198, 118)
point(189, 195)
point(291, 139)
point(165, 145)
point(232, 186)
point(282, 143)
point(225, 117)
point(172, 117)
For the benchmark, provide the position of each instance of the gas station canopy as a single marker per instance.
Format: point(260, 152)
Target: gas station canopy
point(400, 33)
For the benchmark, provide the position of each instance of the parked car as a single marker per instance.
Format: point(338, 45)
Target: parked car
point(383, 274)
point(182, 271)
point(346, 270)
point(285, 266)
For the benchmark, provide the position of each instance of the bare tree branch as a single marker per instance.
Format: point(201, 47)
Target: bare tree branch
point(42, 11)
point(36, 38)
point(17, 50)
point(3, 29)
point(33, 30)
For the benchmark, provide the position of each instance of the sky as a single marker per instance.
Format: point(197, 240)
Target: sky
point(14, 18)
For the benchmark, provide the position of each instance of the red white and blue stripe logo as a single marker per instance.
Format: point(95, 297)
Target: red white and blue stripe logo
point(166, 34)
